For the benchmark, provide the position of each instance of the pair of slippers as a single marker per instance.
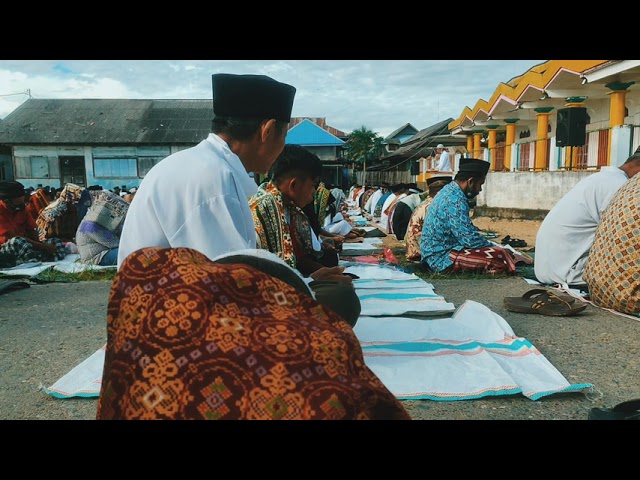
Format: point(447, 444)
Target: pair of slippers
point(513, 242)
point(629, 410)
point(544, 302)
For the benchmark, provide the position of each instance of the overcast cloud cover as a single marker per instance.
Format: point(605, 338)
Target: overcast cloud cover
point(381, 95)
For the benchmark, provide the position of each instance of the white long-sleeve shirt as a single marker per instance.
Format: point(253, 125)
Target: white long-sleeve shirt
point(566, 234)
point(196, 198)
point(444, 163)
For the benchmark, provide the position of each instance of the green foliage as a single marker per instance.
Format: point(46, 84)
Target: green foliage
point(364, 145)
point(418, 270)
point(52, 275)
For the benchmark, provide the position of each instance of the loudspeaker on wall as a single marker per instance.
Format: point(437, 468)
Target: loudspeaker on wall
point(571, 129)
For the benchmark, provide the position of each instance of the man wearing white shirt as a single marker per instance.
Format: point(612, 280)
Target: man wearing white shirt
point(198, 197)
point(566, 234)
point(444, 163)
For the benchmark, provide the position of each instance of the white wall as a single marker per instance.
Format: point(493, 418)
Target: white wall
point(527, 190)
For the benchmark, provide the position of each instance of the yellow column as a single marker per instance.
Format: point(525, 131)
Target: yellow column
point(477, 146)
point(493, 134)
point(470, 145)
point(510, 140)
point(542, 155)
point(616, 109)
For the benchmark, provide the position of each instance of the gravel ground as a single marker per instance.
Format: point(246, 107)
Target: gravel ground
point(48, 329)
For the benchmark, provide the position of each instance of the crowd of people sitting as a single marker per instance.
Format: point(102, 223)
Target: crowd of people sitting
point(45, 225)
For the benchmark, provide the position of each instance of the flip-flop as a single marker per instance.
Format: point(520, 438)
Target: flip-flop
point(544, 302)
point(629, 410)
point(7, 286)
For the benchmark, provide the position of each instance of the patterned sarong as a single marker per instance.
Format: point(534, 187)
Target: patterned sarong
point(489, 260)
point(189, 338)
point(413, 235)
point(24, 252)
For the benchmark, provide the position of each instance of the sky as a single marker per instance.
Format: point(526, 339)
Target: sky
point(381, 95)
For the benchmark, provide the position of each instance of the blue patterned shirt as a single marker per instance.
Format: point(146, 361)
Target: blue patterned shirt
point(447, 227)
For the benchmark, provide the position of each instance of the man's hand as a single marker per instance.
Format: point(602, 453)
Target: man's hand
point(331, 274)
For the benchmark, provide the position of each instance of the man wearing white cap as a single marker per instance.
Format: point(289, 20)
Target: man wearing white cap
point(444, 163)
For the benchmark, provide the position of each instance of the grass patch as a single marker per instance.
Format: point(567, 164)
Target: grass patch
point(51, 275)
point(420, 271)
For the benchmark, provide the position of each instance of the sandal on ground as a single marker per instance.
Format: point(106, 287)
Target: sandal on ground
point(513, 242)
point(543, 302)
point(629, 410)
point(7, 286)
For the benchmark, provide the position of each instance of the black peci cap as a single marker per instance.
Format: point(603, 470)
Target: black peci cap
point(10, 190)
point(251, 96)
point(473, 165)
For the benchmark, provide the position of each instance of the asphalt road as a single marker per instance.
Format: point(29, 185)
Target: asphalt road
point(47, 329)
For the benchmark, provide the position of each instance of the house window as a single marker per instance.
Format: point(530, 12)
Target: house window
point(39, 166)
point(146, 163)
point(115, 167)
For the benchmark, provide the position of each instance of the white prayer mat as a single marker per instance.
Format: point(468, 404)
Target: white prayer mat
point(84, 380)
point(68, 264)
point(355, 249)
point(472, 354)
point(374, 283)
point(380, 272)
point(419, 300)
point(391, 292)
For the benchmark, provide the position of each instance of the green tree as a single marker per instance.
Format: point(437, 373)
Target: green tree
point(363, 146)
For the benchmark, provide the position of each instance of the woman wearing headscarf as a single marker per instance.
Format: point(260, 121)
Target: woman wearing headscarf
point(60, 217)
point(98, 234)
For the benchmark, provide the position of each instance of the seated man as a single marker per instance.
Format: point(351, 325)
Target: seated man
point(450, 241)
point(18, 235)
point(98, 235)
point(334, 221)
point(251, 343)
point(612, 270)
point(60, 218)
point(404, 208)
point(283, 228)
point(413, 231)
point(566, 233)
point(396, 191)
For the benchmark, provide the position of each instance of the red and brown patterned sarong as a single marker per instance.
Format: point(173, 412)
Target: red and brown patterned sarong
point(489, 260)
point(189, 338)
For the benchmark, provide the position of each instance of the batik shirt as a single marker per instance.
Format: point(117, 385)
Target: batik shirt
point(321, 201)
point(447, 227)
point(413, 235)
point(281, 227)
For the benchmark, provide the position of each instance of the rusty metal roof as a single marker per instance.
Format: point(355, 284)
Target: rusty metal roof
point(107, 122)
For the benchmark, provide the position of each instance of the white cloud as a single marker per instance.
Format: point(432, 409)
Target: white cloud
point(379, 94)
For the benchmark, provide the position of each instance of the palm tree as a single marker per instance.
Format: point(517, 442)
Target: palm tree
point(364, 145)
